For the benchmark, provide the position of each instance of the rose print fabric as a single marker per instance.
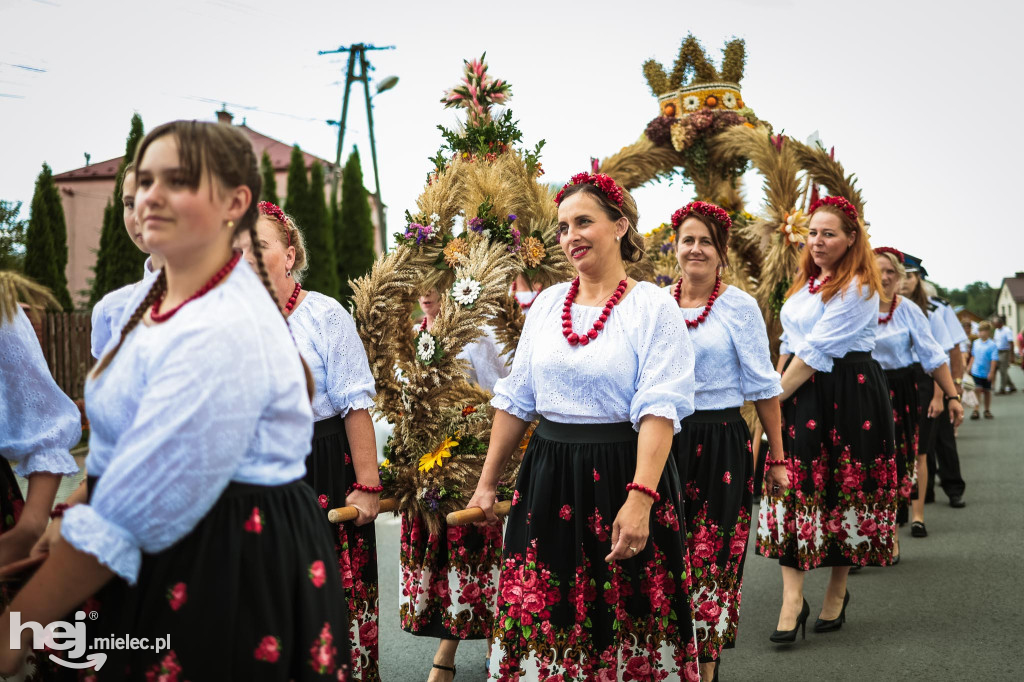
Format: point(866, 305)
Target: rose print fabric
point(449, 579)
point(906, 417)
point(247, 595)
point(713, 452)
point(565, 614)
point(838, 435)
point(330, 472)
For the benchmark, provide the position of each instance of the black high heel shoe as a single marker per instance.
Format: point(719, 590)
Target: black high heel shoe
point(789, 636)
point(822, 625)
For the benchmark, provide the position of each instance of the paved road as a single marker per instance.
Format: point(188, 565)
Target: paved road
point(952, 609)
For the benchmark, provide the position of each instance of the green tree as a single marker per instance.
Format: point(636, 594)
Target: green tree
point(12, 236)
point(119, 261)
point(46, 240)
point(354, 229)
point(298, 188)
point(322, 275)
point(269, 192)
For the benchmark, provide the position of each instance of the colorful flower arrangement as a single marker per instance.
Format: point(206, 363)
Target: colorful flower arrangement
point(704, 208)
point(465, 291)
point(477, 92)
point(456, 252)
point(493, 229)
point(604, 183)
point(896, 252)
point(837, 202)
point(415, 233)
point(660, 245)
point(794, 228)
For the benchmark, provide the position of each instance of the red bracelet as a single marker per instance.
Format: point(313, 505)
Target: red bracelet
point(367, 488)
point(654, 494)
point(58, 511)
point(775, 462)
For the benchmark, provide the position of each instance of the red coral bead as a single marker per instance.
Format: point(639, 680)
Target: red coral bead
point(592, 333)
point(573, 339)
point(584, 340)
point(603, 317)
point(599, 325)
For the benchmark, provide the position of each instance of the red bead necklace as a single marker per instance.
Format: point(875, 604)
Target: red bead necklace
point(423, 324)
point(892, 309)
point(584, 339)
point(815, 288)
point(290, 305)
point(157, 316)
point(707, 308)
point(524, 306)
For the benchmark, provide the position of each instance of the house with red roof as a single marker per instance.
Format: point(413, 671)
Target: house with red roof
point(85, 191)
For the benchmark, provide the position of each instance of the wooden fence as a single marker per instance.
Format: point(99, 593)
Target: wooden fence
point(65, 338)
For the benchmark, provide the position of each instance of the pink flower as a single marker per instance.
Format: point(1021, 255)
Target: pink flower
point(811, 424)
point(515, 497)
point(323, 501)
point(565, 512)
point(860, 378)
point(709, 612)
point(597, 476)
point(866, 426)
point(269, 649)
point(254, 524)
point(700, 449)
point(869, 527)
point(638, 668)
point(806, 531)
point(470, 593)
point(692, 671)
point(738, 545)
point(368, 635)
point(727, 477)
point(317, 573)
point(177, 596)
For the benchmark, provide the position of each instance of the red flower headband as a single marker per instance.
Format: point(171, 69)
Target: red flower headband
point(274, 211)
point(599, 180)
point(896, 252)
point(838, 202)
point(705, 209)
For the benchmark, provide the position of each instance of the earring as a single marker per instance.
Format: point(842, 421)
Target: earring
point(617, 238)
point(288, 274)
point(231, 224)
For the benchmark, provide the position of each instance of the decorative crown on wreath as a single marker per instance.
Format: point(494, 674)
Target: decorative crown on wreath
point(694, 83)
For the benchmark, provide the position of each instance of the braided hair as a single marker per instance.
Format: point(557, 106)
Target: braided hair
point(225, 154)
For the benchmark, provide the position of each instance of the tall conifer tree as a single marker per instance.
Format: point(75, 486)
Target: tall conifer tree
point(354, 228)
point(322, 275)
point(269, 192)
point(46, 241)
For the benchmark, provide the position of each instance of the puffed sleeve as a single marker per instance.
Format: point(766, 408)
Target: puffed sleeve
point(40, 423)
point(846, 316)
point(665, 382)
point(350, 384)
point(929, 352)
point(196, 419)
point(514, 393)
point(937, 324)
point(100, 334)
point(758, 379)
point(954, 329)
point(488, 364)
point(784, 344)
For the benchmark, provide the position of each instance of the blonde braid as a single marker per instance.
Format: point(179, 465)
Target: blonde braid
point(257, 252)
point(158, 289)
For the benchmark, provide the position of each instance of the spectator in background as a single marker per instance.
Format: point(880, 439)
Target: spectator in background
point(1004, 343)
point(983, 361)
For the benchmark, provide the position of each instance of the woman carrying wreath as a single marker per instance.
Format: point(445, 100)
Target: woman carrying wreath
point(594, 569)
point(713, 449)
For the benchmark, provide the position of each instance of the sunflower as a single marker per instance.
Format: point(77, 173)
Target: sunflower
point(456, 252)
point(437, 457)
point(533, 252)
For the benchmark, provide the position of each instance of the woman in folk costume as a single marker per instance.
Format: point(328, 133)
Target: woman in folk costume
point(903, 332)
point(594, 573)
point(342, 468)
point(108, 314)
point(713, 449)
point(832, 501)
point(198, 521)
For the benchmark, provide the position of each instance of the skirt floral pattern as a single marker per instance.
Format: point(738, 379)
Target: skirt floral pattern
point(840, 509)
point(330, 472)
point(247, 595)
point(713, 453)
point(449, 579)
point(563, 612)
point(906, 417)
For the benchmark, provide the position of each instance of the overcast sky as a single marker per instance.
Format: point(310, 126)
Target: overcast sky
point(919, 98)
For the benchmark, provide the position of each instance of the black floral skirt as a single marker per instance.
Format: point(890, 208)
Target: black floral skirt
point(928, 427)
point(906, 418)
point(840, 509)
point(330, 472)
point(247, 595)
point(449, 581)
point(563, 613)
point(714, 456)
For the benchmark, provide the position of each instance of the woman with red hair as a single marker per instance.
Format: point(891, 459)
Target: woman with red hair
point(832, 500)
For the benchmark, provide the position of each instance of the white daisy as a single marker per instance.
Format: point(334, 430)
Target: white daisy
point(466, 291)
point(729, 100)
point(691, 103)
point(425, 347)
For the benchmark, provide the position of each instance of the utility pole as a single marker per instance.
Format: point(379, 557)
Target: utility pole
point(357, 57)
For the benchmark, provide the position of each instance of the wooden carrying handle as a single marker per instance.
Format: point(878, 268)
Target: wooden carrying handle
point(342, 514)
point(475, 514)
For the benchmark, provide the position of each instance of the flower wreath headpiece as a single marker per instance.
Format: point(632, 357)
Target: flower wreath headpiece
point(704, 208)
point(840, 203)
point(604, 183)
point(896, 252)
point(274, 211)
